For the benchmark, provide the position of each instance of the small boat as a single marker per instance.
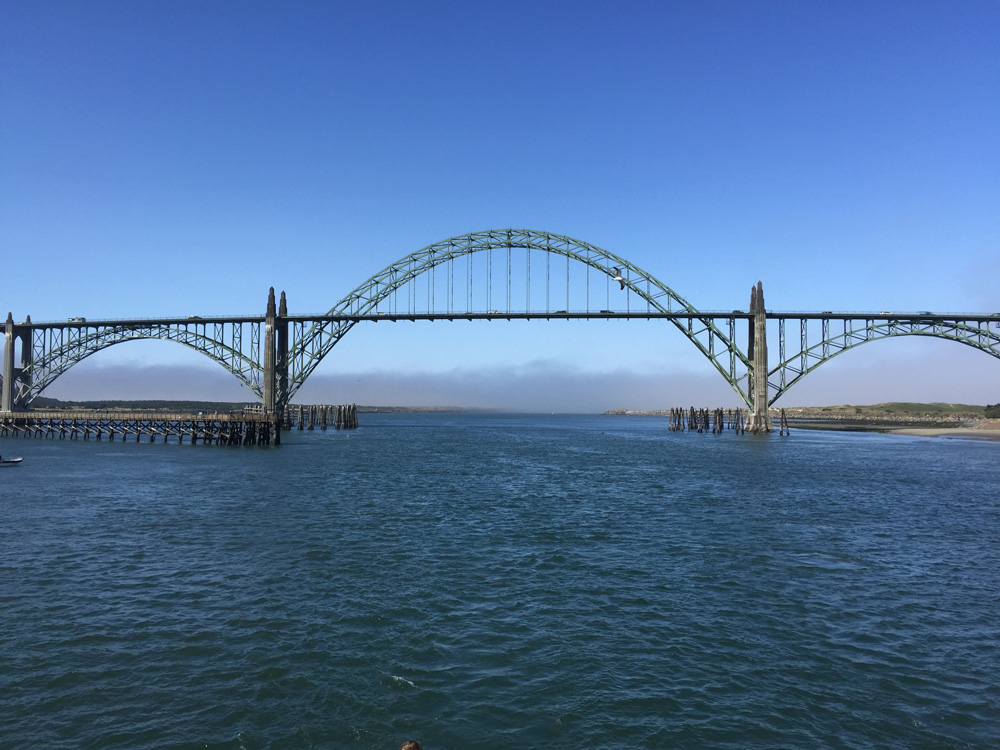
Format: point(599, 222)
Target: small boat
point(4, 462)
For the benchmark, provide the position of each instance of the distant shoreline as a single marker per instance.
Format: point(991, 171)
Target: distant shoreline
point(989, 429)
point(920, 420)
point(43, 404)
point(963, 421)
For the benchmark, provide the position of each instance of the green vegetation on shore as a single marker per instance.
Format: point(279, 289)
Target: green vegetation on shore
point(897, 409)
point(888, 415)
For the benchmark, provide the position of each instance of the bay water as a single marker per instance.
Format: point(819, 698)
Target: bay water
point(499, 581)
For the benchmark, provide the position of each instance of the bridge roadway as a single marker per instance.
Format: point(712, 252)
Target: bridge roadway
point(486, 276)
point(898, 317)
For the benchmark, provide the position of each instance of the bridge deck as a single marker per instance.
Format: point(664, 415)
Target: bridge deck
point(519, 315)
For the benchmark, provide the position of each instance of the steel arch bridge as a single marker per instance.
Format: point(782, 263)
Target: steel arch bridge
point(639, 293)
point(498, 274)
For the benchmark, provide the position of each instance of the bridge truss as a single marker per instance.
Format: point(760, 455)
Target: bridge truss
point(835, 333)
point(507, 274)
point(50, 349)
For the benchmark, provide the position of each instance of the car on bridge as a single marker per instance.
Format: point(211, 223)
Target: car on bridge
point(76, 320)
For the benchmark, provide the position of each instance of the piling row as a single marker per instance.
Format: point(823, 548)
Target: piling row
point(715, 421)
point(341, 416)
point(215, 429)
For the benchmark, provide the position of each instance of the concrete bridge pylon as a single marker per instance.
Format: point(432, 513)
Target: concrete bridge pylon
point(275, 384)
point(759, 421)
point(270, 380)
point(7, 390)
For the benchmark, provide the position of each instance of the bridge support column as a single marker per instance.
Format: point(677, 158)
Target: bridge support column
point(281, 358)
point(7, 390)
point(270, 382)
point(26, 360)
point(759, 420)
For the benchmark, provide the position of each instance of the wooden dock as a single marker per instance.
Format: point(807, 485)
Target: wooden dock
point(248, 428)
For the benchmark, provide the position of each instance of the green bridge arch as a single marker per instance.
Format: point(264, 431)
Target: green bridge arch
point(316, 342)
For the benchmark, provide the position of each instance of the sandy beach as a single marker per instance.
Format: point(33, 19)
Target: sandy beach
point(959, 429)
point(963, 433)
point(967, 432)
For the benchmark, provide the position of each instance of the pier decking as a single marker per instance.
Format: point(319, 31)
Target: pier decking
point(252, 428)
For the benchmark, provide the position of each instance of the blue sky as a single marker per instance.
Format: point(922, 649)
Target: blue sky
point(181, 157)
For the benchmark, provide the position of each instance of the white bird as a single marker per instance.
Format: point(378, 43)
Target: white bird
point(618, 276)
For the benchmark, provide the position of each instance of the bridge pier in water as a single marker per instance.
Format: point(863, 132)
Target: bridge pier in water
point(275, 367)
point(7, 391)
point(759, 420)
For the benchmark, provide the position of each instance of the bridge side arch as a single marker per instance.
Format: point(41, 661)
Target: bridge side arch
point(792, 369)
point(48, 363)
point(311, 345)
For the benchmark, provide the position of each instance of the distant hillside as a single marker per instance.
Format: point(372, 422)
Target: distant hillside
point(896, 408)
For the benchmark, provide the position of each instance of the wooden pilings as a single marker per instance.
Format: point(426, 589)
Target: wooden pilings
point(257, 428)
point(347, 417)
point(341, 416)
point(715, 421)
